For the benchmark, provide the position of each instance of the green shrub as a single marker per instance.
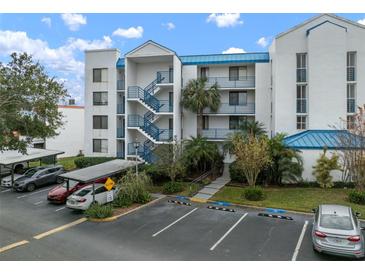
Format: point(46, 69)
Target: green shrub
point(206, 181)
point(157, 175)
point(357, 197)
point(122, 200)
point(172, 187)
point(91, 161)
point(99, 211)
point(236, 174)
point(134, 188)
point(254, 194)
point(323, 167)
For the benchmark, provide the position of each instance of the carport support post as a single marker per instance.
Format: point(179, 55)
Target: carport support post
point(12, 174)
point(93, 192)
point(68, 184)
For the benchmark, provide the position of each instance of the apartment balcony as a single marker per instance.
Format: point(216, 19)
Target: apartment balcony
point(165, 77)
point(120, 109)
point(120, 85)
point(217, 133)
point(229, 82)
point(120, 133)
point(226, 108)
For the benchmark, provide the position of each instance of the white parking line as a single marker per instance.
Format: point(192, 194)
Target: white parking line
point(229, 231)
point(61, 208)
point(7, 190)
point(170, 225)
point(38, 203)
point(300, 240)
point(39, 191)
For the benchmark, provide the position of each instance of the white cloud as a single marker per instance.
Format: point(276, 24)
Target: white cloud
point(169, 25)
point(362, 21)
point(62, 60)
point(73, 20)
point(132, 32)
point(47, 21)
point(263, 42)
point(233, 50)
point(225, 20)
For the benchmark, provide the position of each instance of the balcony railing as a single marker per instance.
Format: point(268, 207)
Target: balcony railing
point(217, 133)
point(120, 85)
point(165, 77)
point(120, 109)
point(231, 82)
point(120, 133)
point(226, 108)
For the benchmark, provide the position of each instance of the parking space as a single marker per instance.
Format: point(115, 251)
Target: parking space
point(162, 231)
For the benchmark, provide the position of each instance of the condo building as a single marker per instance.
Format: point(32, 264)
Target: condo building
point(312, 75)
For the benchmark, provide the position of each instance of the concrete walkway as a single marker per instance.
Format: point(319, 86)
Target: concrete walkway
point(208, 191)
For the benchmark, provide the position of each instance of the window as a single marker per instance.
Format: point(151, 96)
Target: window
point(351, 66)
point(350, 122)
point(205, 122)
point(236, 122)
point(301, 99)
point(204, 72)
point(100, 122)
point(100, 75)
point(171, 123)
point(100, 98)
point(237, 73)
point(351, 101)
point(100, 145)
point(332, 221)
point(301, 67)
point(238, 98)
point(301, 122)
point(100, 190)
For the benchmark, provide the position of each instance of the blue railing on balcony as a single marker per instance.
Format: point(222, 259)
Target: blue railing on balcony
point(120, 132)
point(226, 108)
point(120, 85)
point(135, 92)
point(165, 77)
point(217, 133)
point(230, 82)
point(120, 109)
point(144, 151)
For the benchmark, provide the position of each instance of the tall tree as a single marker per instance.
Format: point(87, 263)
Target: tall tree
point(28, 102)
point(196, 97)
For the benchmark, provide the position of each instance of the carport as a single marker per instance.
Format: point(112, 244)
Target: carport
point(9, 159)
point(93, 173)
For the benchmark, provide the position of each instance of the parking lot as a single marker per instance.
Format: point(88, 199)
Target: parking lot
point(162, 231)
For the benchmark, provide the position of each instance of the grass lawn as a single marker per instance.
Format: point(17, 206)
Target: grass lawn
point(299, 199)
point(67, 162)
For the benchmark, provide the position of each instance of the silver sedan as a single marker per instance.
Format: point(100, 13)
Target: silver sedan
point(337, 231)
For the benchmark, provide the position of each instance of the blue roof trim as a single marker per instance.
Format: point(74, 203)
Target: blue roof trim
point(327, 21)
point(319, 139)
point(210, 59)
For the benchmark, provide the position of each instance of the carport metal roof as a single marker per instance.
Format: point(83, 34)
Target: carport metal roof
point(10, 157)
point(102, 170)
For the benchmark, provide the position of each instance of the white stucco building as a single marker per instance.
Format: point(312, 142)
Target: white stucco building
point(70, 138)
point(312, 75)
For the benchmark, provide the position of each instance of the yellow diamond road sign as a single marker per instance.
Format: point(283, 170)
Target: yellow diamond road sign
point(109, 184)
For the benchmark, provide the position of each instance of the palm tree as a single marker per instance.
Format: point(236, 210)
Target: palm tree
point(254, 128)
point(201, 153)
point(196, 97)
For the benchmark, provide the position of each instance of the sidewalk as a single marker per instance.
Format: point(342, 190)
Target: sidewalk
point(208, 191)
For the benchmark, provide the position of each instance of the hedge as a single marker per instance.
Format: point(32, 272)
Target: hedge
point(91, 161)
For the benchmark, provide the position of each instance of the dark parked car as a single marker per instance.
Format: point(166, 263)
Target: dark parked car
point(38, 178)
point(60, 193)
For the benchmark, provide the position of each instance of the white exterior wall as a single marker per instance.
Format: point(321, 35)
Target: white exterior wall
point(189, 123)
point(326, 47)
point(263, 95)
point(101, 59)
point(70, 138)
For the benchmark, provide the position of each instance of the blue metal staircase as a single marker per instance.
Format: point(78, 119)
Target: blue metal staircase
point(144, 151)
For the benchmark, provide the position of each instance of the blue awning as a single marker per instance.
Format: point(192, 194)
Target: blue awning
point(120, 63)
point(320, 139)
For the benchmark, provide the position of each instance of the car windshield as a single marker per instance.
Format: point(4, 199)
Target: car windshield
point(30, 173)
point(83, 192)
point(71, 184)
point(333, 221)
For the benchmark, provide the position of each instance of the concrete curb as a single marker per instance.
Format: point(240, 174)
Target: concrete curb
point(113, 218)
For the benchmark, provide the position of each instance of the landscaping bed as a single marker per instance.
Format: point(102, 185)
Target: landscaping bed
point(189, 189)
point(290, 198)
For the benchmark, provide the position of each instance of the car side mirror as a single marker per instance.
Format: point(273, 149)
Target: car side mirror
point(358, 214)
point(314, 210)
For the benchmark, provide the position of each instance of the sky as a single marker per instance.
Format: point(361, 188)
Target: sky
point(58, 41)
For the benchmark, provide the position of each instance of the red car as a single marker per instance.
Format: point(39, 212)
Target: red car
point(59, 193)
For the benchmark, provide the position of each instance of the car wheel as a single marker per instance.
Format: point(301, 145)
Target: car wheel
point(30, 187)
